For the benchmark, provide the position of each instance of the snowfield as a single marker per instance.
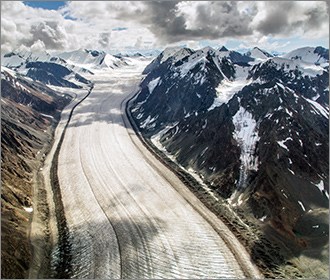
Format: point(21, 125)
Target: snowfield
point(125, 219)
point(246, 135)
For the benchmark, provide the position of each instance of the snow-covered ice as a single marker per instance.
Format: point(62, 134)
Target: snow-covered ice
point(306, 54)
point(282, 143)
point(318, 108)
point(246, 135)
point(124, 218)
point(320, 186)
point(301, 205)
point(226, 90)
point(152, 84)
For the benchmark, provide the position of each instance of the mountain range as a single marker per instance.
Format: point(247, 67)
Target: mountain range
point(253, 128)
point(30, 112)
point(61, 69)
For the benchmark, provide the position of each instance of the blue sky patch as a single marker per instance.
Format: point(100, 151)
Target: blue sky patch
point(47, 5)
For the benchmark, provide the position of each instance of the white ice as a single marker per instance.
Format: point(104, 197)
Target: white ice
point(246, 135)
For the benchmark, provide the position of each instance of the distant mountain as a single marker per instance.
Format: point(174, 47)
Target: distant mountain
point(46, 68)
point(318, 55)
point(17, 59)
point(257, 53)
point(235, 57)
point(255, 134)
point(133, 51)
point(92, 59)
point(54, 74)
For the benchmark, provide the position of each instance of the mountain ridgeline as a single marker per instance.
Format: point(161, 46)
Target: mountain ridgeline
point(30, 112)
point(254, 128)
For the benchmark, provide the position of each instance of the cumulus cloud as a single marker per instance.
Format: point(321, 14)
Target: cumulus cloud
point(172, 21)
point(124, 24)
point(38, 46)
point(285, 18)
point(53, 36)
point(104, 39)
point(23, 26)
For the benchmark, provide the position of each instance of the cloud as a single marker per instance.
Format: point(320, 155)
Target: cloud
point(38, 46)
point(52, 35)
point(104, 39)
point(172, 21)
point(23, 26)
point(292, 17)
point(217, 20)
point(125, 24)
point(119, 28)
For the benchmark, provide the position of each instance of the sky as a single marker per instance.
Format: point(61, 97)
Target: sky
point(141, 25)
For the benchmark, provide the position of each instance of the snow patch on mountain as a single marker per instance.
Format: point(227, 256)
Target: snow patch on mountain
point(322, 189)
point(155, 139)
point(6, 70)
point(306, 54)
point(191, 63)
point(302, 205)
point(148, 122)
point(152, 84)
point(175, 53)
point(281, 143)
point(241, 73)
point(258, 54)
point(318, 108)
point(226, 90)
point(246, 135)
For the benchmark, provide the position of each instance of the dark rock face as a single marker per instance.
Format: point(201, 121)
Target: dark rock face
point(28, 117)
point(322, 52)
point(94, 53)
point(236, 57)
point(182, 90)
point(265, 148)
point(53, 73)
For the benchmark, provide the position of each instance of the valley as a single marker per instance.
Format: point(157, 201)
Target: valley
point(184, 165)
point(124, 219)
point(165, 140)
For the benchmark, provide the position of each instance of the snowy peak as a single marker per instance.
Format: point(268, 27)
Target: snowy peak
point(276, 67)
point(91, 59)
point(95, 53)
point(17, 59)
point(175, 53)
point(208, 50)
point(223, 49)
point(318, 55)
point(258, 54)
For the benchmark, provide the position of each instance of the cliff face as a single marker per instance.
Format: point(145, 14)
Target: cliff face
point(29, 114)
